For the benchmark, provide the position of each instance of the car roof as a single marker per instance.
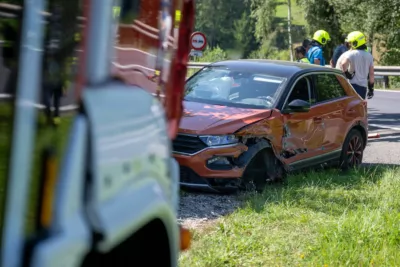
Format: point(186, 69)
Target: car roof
point(277, 68)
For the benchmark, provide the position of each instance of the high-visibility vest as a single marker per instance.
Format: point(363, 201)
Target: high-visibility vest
point(304, 60)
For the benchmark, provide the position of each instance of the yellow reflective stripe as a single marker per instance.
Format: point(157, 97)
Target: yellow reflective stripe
point(116, 11)
point(178, 17)
point(48, 190)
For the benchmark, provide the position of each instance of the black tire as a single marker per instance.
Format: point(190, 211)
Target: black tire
point(352, 150)
point(263, 169)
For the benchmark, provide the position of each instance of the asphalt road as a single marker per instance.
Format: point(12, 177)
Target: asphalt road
point(384, 118)
point(384, 110)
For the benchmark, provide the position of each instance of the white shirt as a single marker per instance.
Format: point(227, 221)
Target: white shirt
point(360, 62)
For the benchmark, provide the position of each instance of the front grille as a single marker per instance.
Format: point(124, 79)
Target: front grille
point(187, 175)
point(188, 144)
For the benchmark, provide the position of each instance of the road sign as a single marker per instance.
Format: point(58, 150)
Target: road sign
point(198, 41)
point(196, 53)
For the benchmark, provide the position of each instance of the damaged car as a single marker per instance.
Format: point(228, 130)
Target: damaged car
point(248, 122)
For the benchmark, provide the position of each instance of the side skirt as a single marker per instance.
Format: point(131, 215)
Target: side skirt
point(324, 160)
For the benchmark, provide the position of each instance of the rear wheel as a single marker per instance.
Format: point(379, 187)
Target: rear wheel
point(263, 169)
point(352, 151)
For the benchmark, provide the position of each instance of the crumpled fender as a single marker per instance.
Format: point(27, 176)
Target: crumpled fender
point(245, 158)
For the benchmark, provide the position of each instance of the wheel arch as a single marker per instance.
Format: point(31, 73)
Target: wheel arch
point(255, 147)
point(359, 127)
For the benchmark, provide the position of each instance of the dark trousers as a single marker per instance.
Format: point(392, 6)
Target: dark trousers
point(52, 92)
point(361, 90)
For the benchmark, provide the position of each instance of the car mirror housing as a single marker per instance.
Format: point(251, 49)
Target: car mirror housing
point(297, 105)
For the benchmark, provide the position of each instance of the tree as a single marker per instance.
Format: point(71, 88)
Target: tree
point(378, 20)
point(216, 18)
point(263, 11)
point(323, 15)
point(244, 29)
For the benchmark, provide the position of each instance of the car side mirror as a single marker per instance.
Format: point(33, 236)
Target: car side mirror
point(297, 105)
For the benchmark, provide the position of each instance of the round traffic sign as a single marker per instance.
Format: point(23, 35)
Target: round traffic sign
point(198, 41)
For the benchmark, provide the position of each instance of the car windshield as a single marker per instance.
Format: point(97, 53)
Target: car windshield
point(233, 88)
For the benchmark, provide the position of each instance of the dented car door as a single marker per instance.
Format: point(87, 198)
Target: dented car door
point(331, 100)
point(303, 131)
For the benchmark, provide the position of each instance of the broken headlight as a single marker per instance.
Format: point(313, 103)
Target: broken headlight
point(219, 140)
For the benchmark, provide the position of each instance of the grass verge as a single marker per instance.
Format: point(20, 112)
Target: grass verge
point(318, 219)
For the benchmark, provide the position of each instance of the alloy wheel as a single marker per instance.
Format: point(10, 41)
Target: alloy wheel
point(354, 151)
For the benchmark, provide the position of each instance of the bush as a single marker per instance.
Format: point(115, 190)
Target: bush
point(212, 55)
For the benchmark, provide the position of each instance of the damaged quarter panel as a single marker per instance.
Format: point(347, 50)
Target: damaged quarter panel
point(355, 110)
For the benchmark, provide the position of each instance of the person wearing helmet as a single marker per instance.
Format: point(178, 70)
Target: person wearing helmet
point(300, 53)
point(306, 44)
point(316, 54)
point(339, 50)
point(358, 65)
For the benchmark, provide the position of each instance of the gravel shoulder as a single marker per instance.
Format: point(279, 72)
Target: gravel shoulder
point(198, 210)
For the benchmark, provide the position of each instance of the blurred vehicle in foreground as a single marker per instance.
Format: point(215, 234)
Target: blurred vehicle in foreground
point(114, 199)
point(248, 122)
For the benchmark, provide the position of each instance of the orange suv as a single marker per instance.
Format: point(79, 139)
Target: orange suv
point(248, 122)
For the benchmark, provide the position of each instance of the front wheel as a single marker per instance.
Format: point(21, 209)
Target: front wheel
point(263, 169)
point(352, 151)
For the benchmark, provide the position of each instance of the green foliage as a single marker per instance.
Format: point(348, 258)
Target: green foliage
point(258, 28)
point(263, 11)
point(245, 42)
point(216, 19)
point(379, 20)
point(322, 15)
point(395, 82)
point(212, 55)
point(297, 12)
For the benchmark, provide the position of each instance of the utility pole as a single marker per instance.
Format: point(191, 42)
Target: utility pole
point(290, 29)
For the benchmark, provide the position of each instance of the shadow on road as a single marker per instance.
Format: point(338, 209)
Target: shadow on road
point(386, 119)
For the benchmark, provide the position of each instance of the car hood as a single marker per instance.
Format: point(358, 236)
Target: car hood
point(200, 118)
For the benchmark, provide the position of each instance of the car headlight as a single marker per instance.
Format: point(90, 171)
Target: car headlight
point(219, 140)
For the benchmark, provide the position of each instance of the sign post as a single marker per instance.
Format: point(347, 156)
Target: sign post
point(198, 42)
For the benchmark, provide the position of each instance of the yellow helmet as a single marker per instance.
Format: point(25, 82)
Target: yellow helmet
point(356, 39)
point(321, 37)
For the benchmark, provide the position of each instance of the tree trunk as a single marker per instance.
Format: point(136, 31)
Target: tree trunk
point(290, 29)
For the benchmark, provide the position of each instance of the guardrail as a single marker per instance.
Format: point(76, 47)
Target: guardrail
point(379, 70)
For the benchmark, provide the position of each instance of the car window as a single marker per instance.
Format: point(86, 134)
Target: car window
point(327, 87)
point(223, 86)
point(300, 91)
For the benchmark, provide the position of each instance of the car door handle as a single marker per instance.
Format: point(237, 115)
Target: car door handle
point(317, 119)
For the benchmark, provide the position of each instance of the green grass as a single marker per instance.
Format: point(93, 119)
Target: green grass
point(318, 219)
point(297, 12)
